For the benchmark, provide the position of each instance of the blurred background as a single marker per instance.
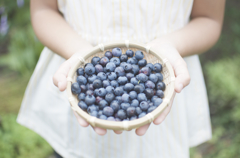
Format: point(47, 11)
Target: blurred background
point(19, 53)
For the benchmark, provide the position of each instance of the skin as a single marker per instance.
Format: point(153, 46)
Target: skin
point(199, 35)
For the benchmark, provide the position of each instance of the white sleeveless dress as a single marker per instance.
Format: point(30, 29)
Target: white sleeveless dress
point(47, 111)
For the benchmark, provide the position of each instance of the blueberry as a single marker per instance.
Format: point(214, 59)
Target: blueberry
point(119, 71)
point(127, 119)
point(92, 78)
point(108, 54)
point(160, 76)
point(98, 68)
point(81, 80)
point(81, 96)
point(111, 66)
point(149, 84)
point(142, 77)
point(138, 110)
point(80, 71)
point(75, 88)
point(122, 64)
point(160, 86)
point(132, 61)
point(97, 83)
point(157, 67)
point(124, 106)
point(102, 76)
point(115, 106)
point(116, 61)
point(127, 67)
point(112, 76)
point(128, 87)
point(92, 108)
point(151, 108)
point(90, 99)
point(90, 87)
point(117, 52)
point(110, 89)
point(123, 58)
point(142, 63)
point(121, 114)
point(82, 105)
point(98, 99)
point(151, 104)
point(111, 118)
point(131, 111)
point(94, 113)
point(139, 88)
point(108, 111)
point(83, 88)
point(103, 117)
point(145, 70)
point(142, 114)
point(118, 91)
point(86, 75)
point(154, 97)
point(135, 103)
point(122, 80)
point(89, 70)
point(125, 98)
point(119, 99)
point(157, 102)
point(109, 97)
point(88, 64)
point(150, 65)
point(103, 61)
point(149, 93)
point(100, 112)
point(95, 60)
point(133, 95)
point(105, 70)
point(129, 53)
point(153, 78)
point(139, 55)
point(133, 118)
point(106, 83)
point(129, 76)
point(101, 92)
point(89, 92)
point(144, 105)
point(103, 103)
point(134, 81)
point(160, 93)
point(117, 119)
point(141, 97)
point(114, 83)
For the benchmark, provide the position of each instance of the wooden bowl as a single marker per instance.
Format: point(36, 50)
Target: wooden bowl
point(151, 57)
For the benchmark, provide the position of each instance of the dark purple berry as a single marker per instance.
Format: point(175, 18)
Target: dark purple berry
point(123, 58)
point(141, 97)
point(142, 62)
point(129, 53)
point(98, 68)
point(139, 55)
point(81, 80)
point(160, 93)
point(117, 52)
point(75, 88)
point(160, 86)
point(108, 111)
point(121, 114)
point(149, 93)
point(157, 67)
point(111, 66)
point(97, 83)
point(90, 99)
point(144, 105)
point(103, 61)
point(108, 54)
point(119, 71)
point(124, 106)
point(145, 70)
point(149, 84)
point(131, 111)
point(109, 97)
point(115, 60)
point(80, 71)
point(82, 105)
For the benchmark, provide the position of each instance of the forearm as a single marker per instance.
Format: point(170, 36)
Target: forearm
point(54, 32)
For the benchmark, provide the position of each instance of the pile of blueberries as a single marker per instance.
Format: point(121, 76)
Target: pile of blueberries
point(119, 87)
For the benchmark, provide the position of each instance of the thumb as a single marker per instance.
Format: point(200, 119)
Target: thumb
point(60, 77)
point(182, 74)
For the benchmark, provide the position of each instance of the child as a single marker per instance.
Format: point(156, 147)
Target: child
point(69, 28)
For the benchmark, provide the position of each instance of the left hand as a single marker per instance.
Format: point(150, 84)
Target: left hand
point(181, 73)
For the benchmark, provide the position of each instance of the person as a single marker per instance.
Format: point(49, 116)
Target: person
point(177, 29)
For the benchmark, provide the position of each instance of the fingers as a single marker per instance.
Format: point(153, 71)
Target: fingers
point(182, 75)
point(118, 132)
point(142, 130)
point(80, 120)
point(164, 114)
point(100, 131)
point(60, 77)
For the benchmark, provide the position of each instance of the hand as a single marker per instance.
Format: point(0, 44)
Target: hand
point(60, 80)
point(182, 77)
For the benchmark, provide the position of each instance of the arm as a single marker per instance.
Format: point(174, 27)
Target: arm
point(53, 31)
point(201, 33)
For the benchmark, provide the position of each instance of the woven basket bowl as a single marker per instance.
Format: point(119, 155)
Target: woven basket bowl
point(151, 57)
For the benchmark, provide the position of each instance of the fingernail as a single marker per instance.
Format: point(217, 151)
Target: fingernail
point(180, 87)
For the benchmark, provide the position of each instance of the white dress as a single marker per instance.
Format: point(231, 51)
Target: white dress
point(47, 111)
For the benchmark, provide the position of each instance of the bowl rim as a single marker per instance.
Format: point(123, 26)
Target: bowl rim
point(121, 125)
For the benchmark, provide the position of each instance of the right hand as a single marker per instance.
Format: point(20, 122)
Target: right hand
point(60, 81)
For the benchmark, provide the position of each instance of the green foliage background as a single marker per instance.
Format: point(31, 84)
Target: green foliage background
point(20, 50)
